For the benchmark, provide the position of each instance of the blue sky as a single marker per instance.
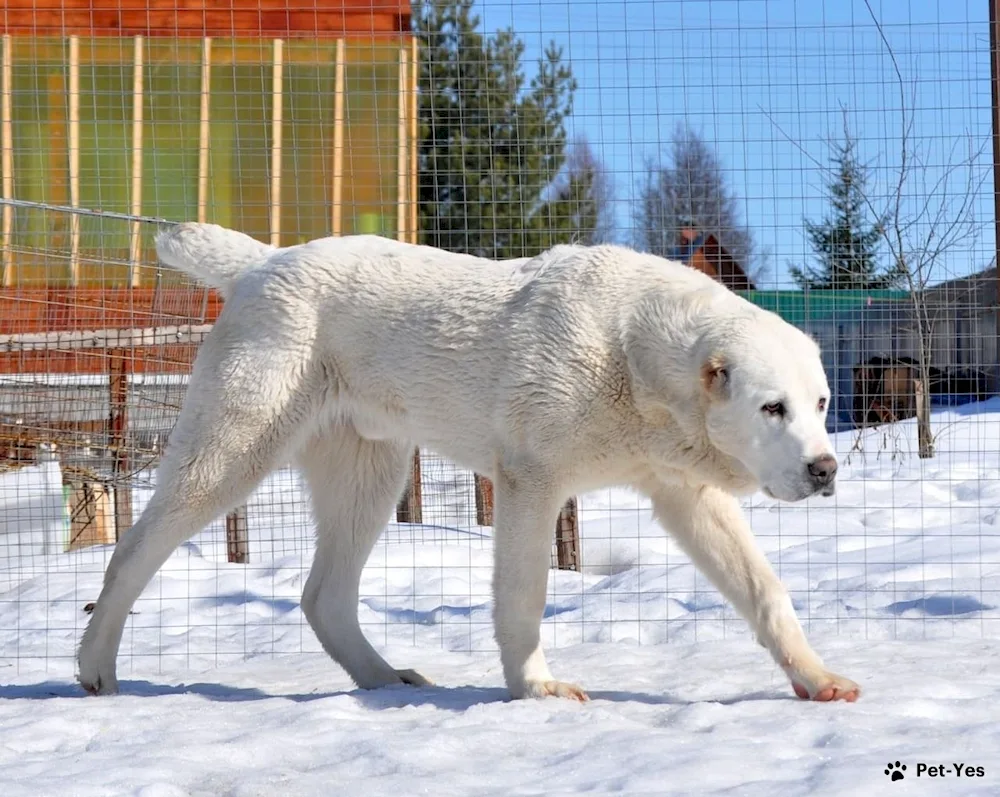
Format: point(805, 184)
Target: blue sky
point(764, 82)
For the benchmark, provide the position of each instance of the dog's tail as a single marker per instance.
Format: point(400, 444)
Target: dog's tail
point(213, 254)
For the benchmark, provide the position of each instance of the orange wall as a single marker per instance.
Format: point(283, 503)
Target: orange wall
point(176, 18)
point(24, 310)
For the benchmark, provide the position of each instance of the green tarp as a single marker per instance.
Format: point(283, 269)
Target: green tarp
point(798, 307)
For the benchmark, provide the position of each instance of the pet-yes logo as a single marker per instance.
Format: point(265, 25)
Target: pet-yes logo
point(896, 770)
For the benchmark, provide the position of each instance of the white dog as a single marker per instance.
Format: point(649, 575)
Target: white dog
point(579, 369)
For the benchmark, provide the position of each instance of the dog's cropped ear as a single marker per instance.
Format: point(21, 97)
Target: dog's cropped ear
point(715, 376)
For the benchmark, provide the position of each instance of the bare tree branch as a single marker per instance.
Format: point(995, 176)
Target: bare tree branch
point(921, 239)
point(587, 187)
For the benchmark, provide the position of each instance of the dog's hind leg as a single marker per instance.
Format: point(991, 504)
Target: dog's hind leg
point(354, 484)
point(238, 422)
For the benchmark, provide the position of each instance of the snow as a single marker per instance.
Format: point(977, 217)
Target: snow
point(34, 519)
point(225, 689)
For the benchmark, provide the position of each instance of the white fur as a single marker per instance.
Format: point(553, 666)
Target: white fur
point(579, 369)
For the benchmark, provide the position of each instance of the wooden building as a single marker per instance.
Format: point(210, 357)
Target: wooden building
point(703, 252)
point(287, 119)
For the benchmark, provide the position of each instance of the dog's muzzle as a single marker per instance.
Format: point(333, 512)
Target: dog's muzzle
point(823, 474)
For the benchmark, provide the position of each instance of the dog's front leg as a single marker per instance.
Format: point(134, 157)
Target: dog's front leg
point(526, 512)
point(709, 525)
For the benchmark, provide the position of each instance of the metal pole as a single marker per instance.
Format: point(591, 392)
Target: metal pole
point(995, 93)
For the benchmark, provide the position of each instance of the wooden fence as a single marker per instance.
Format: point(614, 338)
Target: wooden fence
point(116, 336)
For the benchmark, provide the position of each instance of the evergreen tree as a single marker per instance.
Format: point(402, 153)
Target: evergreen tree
point(493, 144)
point(691, 191)
point(845, 243)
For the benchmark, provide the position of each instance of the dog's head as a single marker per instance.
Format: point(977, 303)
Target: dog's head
point(765, 399)
point(757, 386)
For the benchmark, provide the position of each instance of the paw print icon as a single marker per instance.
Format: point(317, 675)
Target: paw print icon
point(895, 771)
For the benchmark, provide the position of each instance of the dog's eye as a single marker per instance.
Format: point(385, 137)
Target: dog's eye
point(776, 408)
point(821, 407)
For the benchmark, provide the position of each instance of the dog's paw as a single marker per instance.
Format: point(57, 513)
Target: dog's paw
point(413, 678)
point(826, 688)
point(97, 675)
point(97, 683)
point(539, 689)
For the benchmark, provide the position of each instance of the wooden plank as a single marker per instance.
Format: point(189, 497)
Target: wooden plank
point(410, 508)
point(23, 440)
point(402, 162)
point(414, 141)
point(237, 536)
point(17, 313)
point(326, 6)
point(6, 160)
point(71, 330)
point(484, 501)
point(204, 128)
point(135, 228)
point(183, 23)
point(104, 338)
point(568, 537)
point(91, 517)
point(118, 373)
point(29, 310)
point(276, 119)
point(165, 360)
point(74, 159)
point(338, 141)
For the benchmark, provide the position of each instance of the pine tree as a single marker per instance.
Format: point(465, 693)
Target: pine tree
point(845, 243)
point(492, 144)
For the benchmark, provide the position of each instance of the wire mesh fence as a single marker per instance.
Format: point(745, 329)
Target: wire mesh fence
point(831, 162)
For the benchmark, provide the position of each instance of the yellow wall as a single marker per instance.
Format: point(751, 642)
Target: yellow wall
point(240, 144)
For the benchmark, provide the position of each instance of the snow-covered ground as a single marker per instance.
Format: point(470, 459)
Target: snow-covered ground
point(225, 690)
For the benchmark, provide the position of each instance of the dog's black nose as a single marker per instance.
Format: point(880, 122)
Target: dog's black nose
point(823, 469)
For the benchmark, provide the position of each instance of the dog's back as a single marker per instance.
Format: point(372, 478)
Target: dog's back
point(460, 353)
